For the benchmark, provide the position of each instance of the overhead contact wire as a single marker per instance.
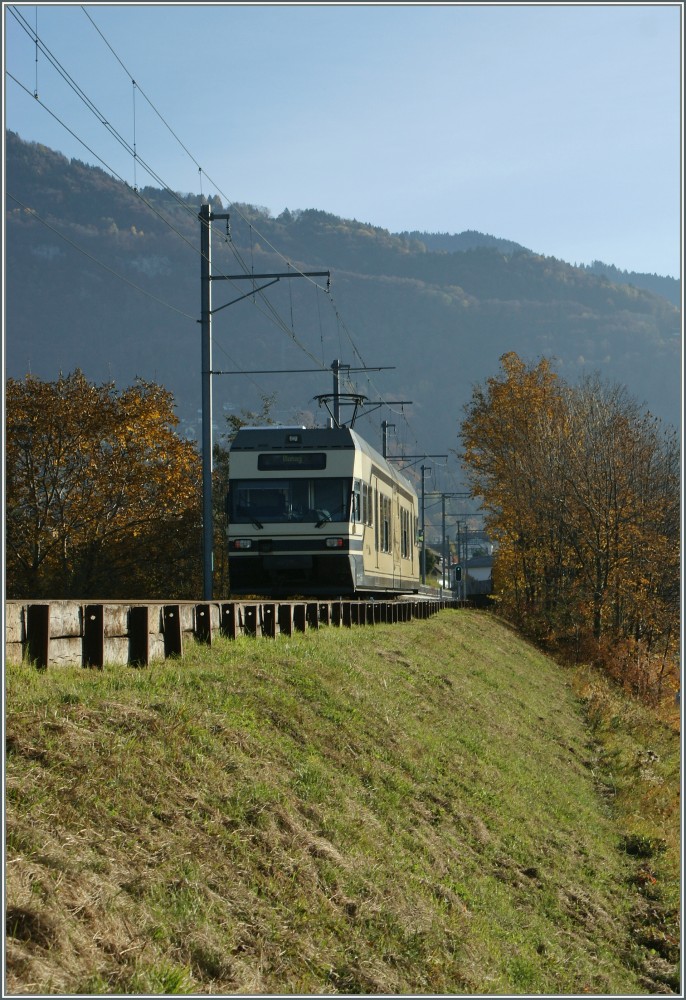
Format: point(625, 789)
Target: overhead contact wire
point(232, 205)
point(64, 74)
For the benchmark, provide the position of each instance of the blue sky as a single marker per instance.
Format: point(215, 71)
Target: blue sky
point(557, 126)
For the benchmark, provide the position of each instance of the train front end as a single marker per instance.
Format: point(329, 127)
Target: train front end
point(289, 512)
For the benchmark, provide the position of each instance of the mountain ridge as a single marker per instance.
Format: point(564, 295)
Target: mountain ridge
point(441, 320)
point(663, 285)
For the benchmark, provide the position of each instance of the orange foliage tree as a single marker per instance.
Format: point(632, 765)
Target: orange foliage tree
point(582, 493)
point(102, 495)
point(501, 451)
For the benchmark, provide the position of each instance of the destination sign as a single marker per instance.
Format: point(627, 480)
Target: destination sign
point(313, 461)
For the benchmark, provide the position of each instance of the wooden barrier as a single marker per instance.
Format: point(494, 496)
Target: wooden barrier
point(73, 633)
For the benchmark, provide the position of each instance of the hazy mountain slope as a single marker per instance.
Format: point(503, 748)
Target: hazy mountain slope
point(439, 320)
point(457, 242)
point(666, 287)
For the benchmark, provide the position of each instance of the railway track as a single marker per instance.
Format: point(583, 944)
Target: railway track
point(137, 633)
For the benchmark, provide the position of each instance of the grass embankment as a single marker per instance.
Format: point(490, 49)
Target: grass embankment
point(397, 809)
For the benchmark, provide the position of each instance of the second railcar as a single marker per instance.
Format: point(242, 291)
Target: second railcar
point(318, 511)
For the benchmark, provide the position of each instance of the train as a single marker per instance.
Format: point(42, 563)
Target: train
point(317, 511)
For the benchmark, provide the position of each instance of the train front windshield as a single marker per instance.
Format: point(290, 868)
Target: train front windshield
point(255, 501)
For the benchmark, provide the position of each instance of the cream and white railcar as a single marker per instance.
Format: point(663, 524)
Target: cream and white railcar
point(317, 511)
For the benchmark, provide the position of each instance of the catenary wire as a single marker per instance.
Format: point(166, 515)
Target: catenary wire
point(231, 203)
point(136, 159)
point(132, 151)
point(269, 307)
point(228, 200)
point(32, 212)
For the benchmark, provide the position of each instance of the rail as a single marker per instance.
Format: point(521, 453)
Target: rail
point(91, 634)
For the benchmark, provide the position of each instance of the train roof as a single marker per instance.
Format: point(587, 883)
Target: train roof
point(275, 438)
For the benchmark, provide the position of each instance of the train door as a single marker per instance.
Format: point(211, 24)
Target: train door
point(376, 515)
point(395, 540)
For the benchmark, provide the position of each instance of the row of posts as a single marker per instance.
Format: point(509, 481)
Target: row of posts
point(231, 620)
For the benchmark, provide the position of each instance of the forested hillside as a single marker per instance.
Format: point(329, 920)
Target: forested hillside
point(668, 288)
point(439, 320)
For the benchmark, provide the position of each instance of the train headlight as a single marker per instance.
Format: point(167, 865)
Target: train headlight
point(334, 543)
point(242, 543)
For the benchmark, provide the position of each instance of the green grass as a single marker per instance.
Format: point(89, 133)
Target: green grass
point(417, 808)
point(639, 767)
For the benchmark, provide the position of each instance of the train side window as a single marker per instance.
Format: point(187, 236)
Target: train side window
point(356, 505)
point(385, 524)
point(404, 533)
point(367, 510)
point(376, 519)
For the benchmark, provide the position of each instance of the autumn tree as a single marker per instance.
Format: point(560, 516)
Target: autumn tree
point(582, 493)
point(502, 455)
point(102, 495)
point(618, 485)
